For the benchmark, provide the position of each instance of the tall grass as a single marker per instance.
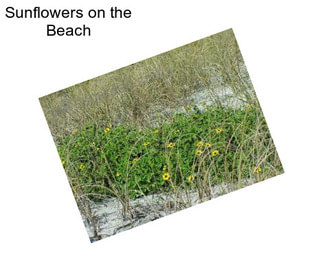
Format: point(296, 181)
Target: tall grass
point(104, 128)
point(141, 92)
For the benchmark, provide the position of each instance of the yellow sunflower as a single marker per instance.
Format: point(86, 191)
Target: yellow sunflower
point(171, 145)
point(190, 178)
point(257, 169)
point(215, 153)
point(199, 144)
point(198, 152)
point(166, 176)
point(218, 130)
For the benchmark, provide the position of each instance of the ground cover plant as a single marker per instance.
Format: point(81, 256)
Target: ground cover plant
point(179, 123)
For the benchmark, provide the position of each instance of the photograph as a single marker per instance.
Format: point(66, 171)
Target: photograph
point(161, 135)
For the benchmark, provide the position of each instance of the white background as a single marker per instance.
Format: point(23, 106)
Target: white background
point(274, 225)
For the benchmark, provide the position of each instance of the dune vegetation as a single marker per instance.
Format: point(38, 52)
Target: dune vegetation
point(140, 130)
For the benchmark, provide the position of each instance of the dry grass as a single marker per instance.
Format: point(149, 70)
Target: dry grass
point(141, 92)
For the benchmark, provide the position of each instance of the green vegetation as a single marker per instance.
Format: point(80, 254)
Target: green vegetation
point(194, 148)
point(122, 134)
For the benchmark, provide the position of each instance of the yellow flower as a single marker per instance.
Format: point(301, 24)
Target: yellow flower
point(146, 143)
point(257, 170)
point(75, 132)
point(188, 108)
point(215, 153)
point(208, 145)
point(93, 144)
point(198, 152)
point(63, 163)
point(248, 107)
point(164, 168)
point(171, 145)
point(81, 167)
point(190, 178)
point(218, 130)
point(107, 129)
point(166, 176)
point(118, 174)
point(156, 131)
point(134, 160)
point(199, 144)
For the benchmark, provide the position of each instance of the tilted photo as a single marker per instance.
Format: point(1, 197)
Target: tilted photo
point(161, 135)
